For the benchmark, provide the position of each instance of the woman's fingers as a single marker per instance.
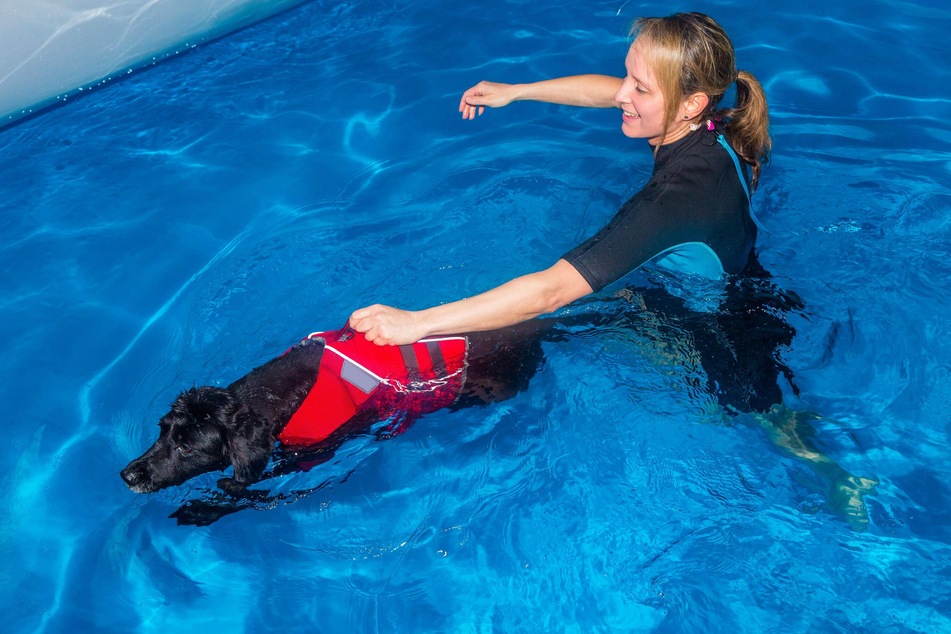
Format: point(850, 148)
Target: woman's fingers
point(384, 325)
point(485, 93)
point(469, 104)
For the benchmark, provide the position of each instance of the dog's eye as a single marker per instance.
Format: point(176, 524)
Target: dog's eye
point(184, 448)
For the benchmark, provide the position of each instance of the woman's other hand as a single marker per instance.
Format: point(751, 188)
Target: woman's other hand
point(486, 93)
point(387, 326)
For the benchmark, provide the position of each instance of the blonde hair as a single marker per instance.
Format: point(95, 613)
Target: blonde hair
point(690, 53)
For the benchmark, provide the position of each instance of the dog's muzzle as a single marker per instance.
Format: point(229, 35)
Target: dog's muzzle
point(138, 478)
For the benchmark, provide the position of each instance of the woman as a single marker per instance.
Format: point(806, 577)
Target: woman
point(693, 215)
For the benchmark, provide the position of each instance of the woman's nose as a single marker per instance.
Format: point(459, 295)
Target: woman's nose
point(623, 94)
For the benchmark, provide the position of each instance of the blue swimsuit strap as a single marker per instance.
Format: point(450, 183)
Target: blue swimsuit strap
point(736, 163)
point(739, 172)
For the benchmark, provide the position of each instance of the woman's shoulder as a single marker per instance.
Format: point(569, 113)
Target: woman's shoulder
point(697, 157)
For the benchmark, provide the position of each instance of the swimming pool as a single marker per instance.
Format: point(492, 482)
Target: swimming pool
point(191, 221)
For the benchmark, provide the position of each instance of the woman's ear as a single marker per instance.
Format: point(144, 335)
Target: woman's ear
point(694, 105)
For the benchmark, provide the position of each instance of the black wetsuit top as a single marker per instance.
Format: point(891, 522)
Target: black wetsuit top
point(693, 216)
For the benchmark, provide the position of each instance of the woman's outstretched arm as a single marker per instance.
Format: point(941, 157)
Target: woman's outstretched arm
point(518, 300)
point(592, 91)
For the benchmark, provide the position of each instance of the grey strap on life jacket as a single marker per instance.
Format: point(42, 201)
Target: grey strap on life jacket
point(412, 363)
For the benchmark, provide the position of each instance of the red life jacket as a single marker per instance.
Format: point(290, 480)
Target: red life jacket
point(356, 377)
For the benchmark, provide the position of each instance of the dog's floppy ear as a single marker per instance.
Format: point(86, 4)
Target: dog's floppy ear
point(249, 448)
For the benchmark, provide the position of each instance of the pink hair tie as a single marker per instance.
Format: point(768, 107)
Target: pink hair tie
point(710, 125)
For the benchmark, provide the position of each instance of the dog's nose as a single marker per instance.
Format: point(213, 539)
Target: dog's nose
point(129, 476)
point(132, 476)
point(139, 477)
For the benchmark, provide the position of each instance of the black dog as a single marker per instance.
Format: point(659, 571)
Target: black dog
point(210, 428)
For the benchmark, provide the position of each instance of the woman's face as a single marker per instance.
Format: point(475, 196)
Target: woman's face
point(642, 103)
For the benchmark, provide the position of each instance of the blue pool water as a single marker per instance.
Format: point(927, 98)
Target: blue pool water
point(185, 224)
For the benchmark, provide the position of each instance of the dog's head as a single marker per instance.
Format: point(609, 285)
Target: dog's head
point(205, 430)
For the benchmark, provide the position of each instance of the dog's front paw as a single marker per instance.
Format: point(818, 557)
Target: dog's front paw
point(201, 513)
point(232, 487)
point(238, 490)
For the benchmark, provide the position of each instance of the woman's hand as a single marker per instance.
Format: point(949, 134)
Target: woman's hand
point(387, 326)
point(591, 91)
point(486, 93)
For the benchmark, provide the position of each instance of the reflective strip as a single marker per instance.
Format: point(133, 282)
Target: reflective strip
point(357, 369)
point(429, 339)
point(359, 377)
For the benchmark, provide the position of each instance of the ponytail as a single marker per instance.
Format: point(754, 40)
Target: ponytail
point(748, 124)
